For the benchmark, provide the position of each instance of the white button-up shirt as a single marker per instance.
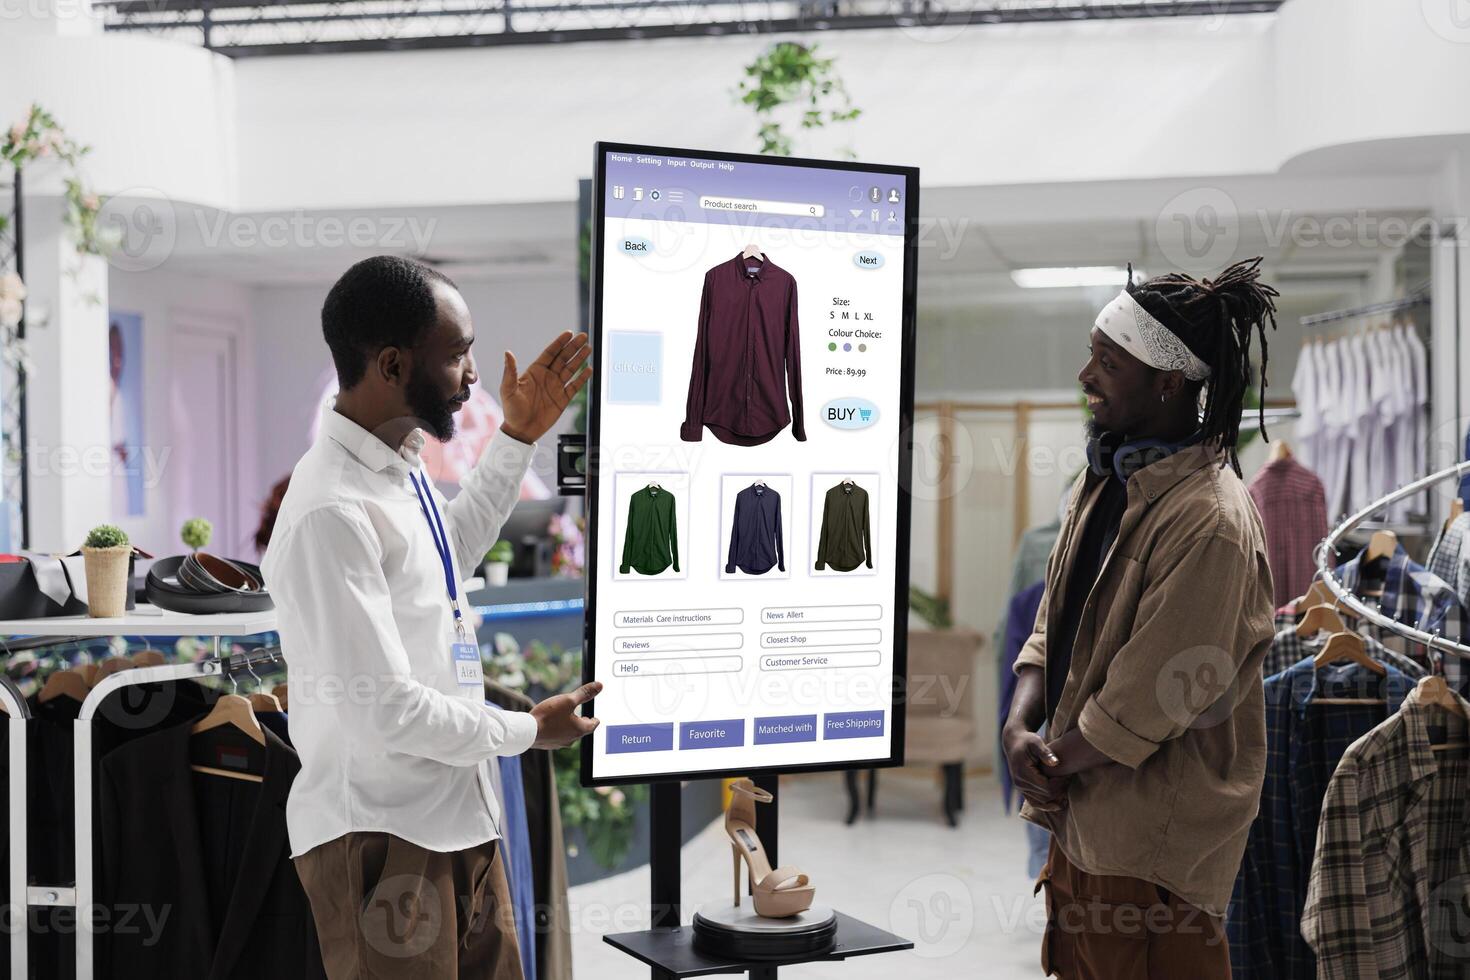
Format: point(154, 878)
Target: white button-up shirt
point(388, 740)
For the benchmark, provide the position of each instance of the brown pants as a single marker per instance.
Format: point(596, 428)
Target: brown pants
point(1100, 927)
point(386, 909)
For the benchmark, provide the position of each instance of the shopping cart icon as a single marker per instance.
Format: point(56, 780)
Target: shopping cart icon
point(866, 413)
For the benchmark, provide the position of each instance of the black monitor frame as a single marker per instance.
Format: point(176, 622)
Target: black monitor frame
point(905, 455)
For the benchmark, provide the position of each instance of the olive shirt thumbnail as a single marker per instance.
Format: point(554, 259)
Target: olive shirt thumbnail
point(846, 540)
point(651, 542)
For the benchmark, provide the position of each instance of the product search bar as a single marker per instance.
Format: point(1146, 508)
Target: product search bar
point(746, 205)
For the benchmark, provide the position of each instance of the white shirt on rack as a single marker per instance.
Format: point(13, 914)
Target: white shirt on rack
point(388, 740)
point(1308, 427)
point(1338, 438)
point(1363, 421)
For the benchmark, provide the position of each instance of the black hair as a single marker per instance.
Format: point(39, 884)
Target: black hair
point(1215, 319)
point(384, 301)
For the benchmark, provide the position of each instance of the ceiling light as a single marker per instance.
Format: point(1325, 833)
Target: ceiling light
point(1071, 277)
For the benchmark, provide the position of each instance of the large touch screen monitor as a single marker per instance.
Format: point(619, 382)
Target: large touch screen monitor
point(748, 438)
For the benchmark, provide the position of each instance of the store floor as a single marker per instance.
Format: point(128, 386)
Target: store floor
point(962, 895)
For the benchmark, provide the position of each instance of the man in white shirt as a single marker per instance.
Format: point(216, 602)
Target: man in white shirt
point(393, 819)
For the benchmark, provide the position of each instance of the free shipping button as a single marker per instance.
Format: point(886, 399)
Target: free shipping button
point(852, 724)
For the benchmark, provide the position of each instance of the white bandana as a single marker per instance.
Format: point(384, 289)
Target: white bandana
point(1136, 331)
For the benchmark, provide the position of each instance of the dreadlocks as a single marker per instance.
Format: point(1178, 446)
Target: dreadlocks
point(1215, 319)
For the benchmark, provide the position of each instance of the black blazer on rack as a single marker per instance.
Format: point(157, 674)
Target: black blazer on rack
point(210, 851)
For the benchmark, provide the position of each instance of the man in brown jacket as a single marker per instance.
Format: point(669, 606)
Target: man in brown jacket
point(1145, 662)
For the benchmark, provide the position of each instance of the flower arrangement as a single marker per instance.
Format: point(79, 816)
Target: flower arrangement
point(570, 556)
point(40, 137)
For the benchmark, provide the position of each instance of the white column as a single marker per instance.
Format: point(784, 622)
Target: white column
point(68, 385)
point(1450, 348)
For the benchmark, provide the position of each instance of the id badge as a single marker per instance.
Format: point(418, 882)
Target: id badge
point(467, 670)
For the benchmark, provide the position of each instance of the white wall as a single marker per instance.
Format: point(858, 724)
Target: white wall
point(163, 299)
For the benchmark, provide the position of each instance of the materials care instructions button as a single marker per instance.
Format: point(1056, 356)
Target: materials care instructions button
point(852, 724)
point(711, 734)
point(785, 728)
point(640, 738)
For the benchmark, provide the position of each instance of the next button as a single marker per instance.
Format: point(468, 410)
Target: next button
point(640, 738)
point(852, 724)
point(711, 734)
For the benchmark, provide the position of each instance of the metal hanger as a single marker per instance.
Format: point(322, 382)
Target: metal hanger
point(261, 701)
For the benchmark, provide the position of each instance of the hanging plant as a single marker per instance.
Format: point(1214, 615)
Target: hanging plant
point(792, 74)
point(40, 137)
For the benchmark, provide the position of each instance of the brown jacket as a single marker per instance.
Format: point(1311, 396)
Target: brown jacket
point(1165, 679)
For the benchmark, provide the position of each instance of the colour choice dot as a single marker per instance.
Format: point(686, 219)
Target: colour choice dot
point(847, 346)
point(832, 346)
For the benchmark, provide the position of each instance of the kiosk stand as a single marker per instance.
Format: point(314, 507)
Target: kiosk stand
point(668, 947)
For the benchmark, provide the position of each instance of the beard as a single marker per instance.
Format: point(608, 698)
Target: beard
point(428, 405)
point(1093, 430)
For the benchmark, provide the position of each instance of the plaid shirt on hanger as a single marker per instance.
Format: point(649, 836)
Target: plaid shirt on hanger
point(1444, 554)
point(1288, 649)
point(1416, 597)
point(1304, 742)
point(1391, 872)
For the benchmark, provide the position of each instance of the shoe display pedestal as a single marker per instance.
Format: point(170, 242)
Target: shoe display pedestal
point(670, 949)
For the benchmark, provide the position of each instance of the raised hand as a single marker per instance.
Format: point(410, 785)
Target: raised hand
point(535, 400)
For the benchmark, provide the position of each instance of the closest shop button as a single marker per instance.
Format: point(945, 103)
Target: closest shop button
point(640, 738)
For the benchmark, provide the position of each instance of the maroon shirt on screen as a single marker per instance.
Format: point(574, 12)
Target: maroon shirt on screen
point(747, 355)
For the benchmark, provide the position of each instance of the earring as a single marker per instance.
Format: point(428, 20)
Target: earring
point(1163, 399)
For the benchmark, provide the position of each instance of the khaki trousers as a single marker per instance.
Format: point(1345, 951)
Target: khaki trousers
point(1100, 927)
point(386, 909)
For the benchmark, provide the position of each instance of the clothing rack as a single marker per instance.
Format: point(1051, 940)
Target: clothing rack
point(140, 622)
point(1419, 297)
point(1357, 606)
point(19, 713)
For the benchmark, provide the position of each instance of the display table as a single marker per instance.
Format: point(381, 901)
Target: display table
point(672, 951)
point(145, 620)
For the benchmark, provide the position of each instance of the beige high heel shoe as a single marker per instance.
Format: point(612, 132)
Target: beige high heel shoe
point(779, 893)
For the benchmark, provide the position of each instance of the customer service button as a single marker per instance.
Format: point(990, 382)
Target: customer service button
point(711, 734)
point(852, 724)
point(640, 738)
point(785, 728)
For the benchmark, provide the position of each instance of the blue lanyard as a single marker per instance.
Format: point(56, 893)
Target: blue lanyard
point(441, 545)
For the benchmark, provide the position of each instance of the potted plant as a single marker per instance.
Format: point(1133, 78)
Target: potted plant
point(196, 533)
point(106, 555)
point(497, 562)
